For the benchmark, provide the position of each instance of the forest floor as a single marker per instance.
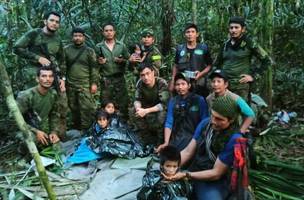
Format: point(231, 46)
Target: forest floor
point(278, 175)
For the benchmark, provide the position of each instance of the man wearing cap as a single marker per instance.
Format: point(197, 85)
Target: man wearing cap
point(219, 84)
point(151, 97)
point(235, 58)
point(212, 151)
point(112, 57)
point(184, 113)
point(150, 52)
point(82, 78)
point(194, 60)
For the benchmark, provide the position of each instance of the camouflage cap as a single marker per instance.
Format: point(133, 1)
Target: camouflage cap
point(147, 31)
point(225, 106)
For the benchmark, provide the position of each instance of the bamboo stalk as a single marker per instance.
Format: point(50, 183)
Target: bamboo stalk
point(12, 105)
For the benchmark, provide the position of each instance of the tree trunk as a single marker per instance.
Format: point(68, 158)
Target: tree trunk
point(167, 22)
point(12, 106)
point(194, 11)
point(267, 36)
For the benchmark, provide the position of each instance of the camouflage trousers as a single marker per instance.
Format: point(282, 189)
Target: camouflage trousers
point(83, 107)
point(114, 88)
point(150, 128)
point(29, 75)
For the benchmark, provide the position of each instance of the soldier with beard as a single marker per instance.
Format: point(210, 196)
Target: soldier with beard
point(43, 47)
point(236, 55)
point(82, 78)
point(42, 101)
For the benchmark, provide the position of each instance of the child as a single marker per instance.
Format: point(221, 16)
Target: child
point(88, 148)
point(97, 129)
point(138, 53)
point(155, 187)
point(110, 108)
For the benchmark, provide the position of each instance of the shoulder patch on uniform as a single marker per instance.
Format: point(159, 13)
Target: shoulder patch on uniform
point(156, 57)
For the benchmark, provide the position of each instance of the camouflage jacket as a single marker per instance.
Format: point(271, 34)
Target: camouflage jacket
point(35, 43)
point(236, 59)
point(149, 97)
point(153, 56)
point(110, 67)
point(84, 71)
point(45, 108)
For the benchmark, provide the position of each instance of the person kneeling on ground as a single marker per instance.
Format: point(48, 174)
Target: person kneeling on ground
point(185, 111)
point(39, 106)
point(212, 151)
point(155, 187)
point(149, 111)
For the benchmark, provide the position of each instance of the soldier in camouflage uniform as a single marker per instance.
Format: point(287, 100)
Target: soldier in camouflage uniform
point(151, 97)
point(150, 52)
point(43, 47)
point(39, 105)
point(235, 58)
point(112, 57)
point(82, 78)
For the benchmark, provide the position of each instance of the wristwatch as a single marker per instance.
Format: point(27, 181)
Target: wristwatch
point(188, 175)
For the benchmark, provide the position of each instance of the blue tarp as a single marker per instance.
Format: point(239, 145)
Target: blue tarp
point(82, 154)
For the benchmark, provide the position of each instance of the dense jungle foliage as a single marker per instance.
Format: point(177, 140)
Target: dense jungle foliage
point(278, 26)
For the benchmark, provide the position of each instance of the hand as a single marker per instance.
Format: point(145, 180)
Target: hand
point(175, 177)
point(160, 147)
point(62, 85)
point(141, 112)
point(119, 60)
point(42, 137)
point(171, 86)
point(54, 138)
point(93, 88)
point(245, 78)
point(102, 60)
point(43, 61)
point(134, 58)
point(198, 75)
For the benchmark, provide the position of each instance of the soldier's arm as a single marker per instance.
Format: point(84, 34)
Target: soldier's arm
point(23, 102)
point(94, 68)
point(125, 55)
point(138, 96)
point(61, 60)
point(163, 92)
point(54, 117)
point(156, 59)
point(21, 48)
